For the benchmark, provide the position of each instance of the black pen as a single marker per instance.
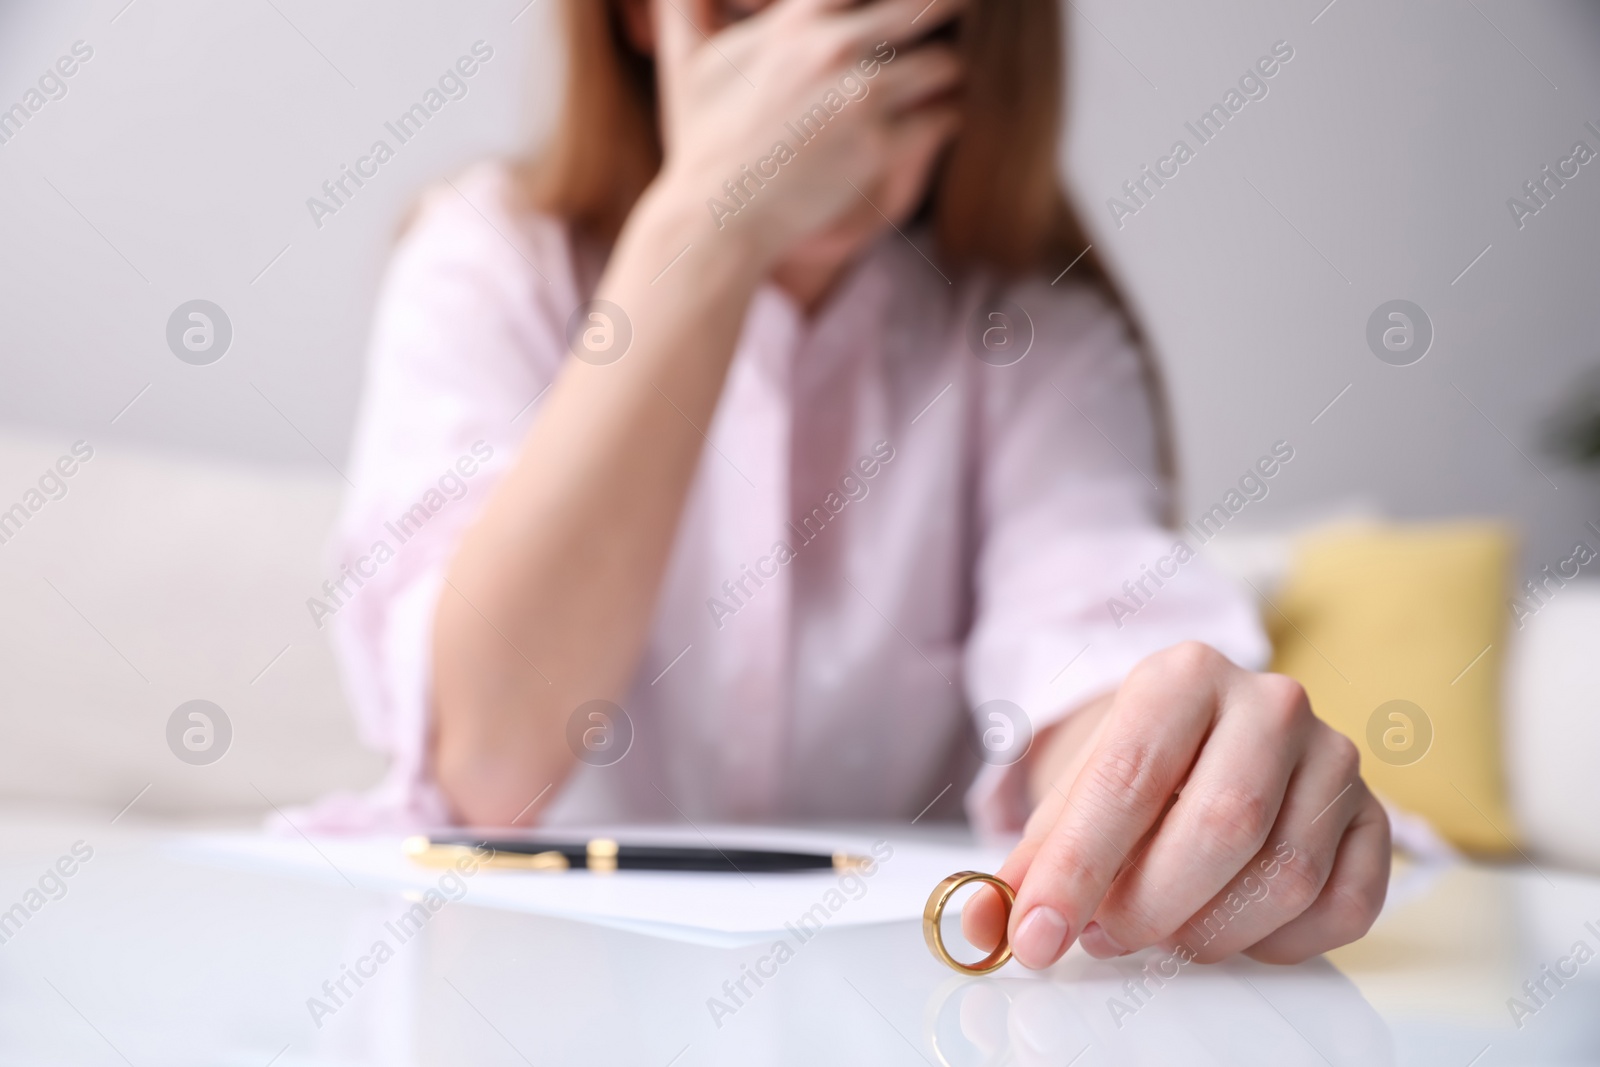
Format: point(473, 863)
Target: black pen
point(604, 854)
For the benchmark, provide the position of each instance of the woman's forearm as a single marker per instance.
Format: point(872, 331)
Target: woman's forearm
point(551, 592)
point(549, 596)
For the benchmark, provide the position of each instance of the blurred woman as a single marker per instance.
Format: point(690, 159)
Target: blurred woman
point(771, 422)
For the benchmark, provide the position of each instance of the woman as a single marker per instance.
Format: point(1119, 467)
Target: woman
point(750, 412)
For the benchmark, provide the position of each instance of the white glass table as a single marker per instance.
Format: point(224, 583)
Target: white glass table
point(143, 958)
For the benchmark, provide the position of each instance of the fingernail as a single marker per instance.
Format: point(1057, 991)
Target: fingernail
point(1040, 937)
point(1099, 944)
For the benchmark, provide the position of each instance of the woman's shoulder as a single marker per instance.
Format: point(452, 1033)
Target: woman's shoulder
point(1070, 311)
point(480, 220)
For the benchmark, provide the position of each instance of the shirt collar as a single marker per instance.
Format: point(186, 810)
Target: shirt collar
point(855, 314)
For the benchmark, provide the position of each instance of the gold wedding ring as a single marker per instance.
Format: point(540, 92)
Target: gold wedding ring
point(934, 911)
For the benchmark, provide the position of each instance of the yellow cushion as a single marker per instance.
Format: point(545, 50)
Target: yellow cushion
point(1413, 613)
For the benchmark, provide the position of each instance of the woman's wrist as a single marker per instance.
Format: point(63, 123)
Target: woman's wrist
point(677, 203)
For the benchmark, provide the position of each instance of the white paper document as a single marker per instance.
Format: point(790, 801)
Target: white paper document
point(706, 908)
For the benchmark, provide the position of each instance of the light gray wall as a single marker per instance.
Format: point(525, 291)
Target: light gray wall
point(1378, 167)
point(178, 167)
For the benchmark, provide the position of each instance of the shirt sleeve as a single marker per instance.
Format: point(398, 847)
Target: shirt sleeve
point(466, 336)
point(1076, 577)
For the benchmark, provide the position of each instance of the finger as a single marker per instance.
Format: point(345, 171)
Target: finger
point(812, 6)
point(1281, 881)
point(983, 920)
point(990, 918)
point(916, 77)
point(1349, 902)
point(1231, 799)
point(682, 26)
point(1154, 730)
point(899, 21)
point(988, 913)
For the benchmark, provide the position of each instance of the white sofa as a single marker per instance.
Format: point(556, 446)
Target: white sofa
point(1552, 727)
point(155, 580)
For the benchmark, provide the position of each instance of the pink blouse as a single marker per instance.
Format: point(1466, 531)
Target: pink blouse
point(886, 532)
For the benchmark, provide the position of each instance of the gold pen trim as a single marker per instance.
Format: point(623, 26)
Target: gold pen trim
point(429, 854)
point(602, 855)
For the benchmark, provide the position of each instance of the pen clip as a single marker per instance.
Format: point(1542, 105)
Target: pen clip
point(429, 854)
